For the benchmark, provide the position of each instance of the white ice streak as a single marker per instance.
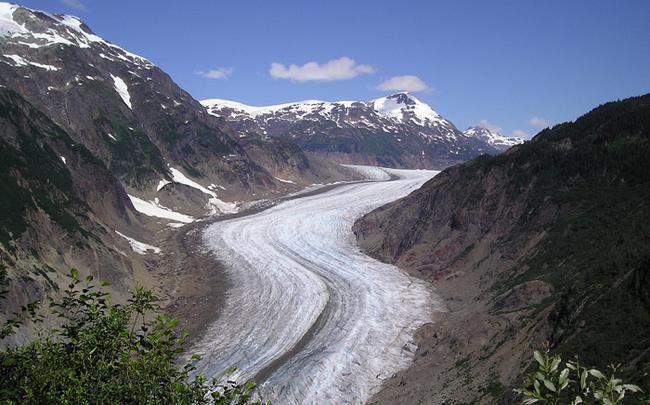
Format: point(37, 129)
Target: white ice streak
point(335, 321)
point(155, 209)
point(122, 89)
point(284, 180)
point(20, 61)
point(139, 247)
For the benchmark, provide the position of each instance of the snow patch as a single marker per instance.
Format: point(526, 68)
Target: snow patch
point(122, 89)
point(155, 209)
point(162, 183)
point(284, 181)
point(7, 24)
point(20, 61)
point(139, 247)
point(215, 205)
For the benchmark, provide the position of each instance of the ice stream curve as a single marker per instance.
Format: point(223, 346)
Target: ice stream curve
point(307, 311)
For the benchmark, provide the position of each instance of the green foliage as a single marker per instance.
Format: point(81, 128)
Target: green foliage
point(106, 353)
point(575, 384)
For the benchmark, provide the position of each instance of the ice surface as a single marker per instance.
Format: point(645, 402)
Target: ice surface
point(303, 291)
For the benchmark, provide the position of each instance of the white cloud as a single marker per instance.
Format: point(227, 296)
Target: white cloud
point(336, 69)
point(539, 122)
point(403, 83)
point(490, 126)
point(76, 4)
point(218, 73)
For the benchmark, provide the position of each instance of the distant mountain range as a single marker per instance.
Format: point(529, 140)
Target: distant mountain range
point(497, 141)
point(394, 131)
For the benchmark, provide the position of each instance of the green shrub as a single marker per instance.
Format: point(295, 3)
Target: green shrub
point(106, 353)
point(575, 384)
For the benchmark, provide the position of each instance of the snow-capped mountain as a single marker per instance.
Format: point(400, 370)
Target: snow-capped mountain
point(493, 139)
point(398, 130)
point(129, 113)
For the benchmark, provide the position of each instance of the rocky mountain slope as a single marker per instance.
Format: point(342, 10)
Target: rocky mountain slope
point(497, 141)
point(61, 208)
point(130, 114)
point(549, 241)
point(102, 152)
point(394, 131)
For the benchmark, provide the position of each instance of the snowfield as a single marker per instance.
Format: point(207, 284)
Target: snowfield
point(308, 314)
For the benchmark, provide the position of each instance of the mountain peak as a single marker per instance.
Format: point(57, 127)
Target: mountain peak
point(24, 28)
point(478, 130)
point(492, 138)
point(405, 107)
point(403, 98)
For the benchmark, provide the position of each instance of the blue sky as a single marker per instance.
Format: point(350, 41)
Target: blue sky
point(515, 65)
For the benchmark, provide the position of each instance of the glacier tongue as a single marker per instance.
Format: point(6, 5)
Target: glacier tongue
point(308, 312)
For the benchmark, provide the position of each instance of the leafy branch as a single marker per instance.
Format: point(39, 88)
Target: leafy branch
point(574, 384)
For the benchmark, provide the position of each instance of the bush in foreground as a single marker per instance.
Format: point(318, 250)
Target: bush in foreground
point(573, 383)
point(106, 353)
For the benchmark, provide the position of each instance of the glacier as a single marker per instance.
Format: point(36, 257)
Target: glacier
point(307, 314)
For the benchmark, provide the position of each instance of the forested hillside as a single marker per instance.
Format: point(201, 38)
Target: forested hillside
point(547, 242)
